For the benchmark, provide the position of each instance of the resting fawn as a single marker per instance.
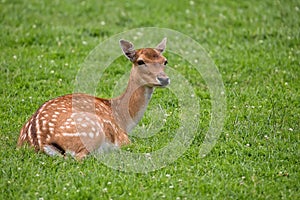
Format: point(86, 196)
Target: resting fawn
point(80, 124)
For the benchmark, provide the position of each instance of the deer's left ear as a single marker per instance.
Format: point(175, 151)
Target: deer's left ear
point(128, 49)
point(162, 45)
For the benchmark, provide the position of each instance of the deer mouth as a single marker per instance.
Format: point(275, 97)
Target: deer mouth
point(162, 82)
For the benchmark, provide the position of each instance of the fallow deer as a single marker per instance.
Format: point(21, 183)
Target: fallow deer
point(80, 124)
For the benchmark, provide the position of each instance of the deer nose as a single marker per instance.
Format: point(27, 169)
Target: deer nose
point(163, 80)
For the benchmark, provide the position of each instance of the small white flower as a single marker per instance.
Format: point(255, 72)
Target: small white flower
point(266, 137)
point(290, 129)
point(168, 175)
point(102, 23)
point(148, 155)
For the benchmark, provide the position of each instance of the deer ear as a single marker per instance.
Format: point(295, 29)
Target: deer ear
point(128, 49)
point(162, 45)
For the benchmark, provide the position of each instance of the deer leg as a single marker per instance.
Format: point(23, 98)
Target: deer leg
point(51, 150)
point(82, 154)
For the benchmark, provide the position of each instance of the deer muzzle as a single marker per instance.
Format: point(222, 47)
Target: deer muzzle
point(163, 79)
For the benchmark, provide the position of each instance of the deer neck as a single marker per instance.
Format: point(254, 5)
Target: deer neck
point(129, 108)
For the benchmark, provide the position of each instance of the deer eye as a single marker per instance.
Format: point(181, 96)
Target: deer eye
point(140, 62)
point(166, 62)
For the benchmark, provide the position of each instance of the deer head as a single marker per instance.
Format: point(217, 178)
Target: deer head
point(148, 64)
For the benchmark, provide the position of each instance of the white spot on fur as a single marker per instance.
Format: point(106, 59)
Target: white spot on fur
point(97, 133)
point(51, 129)
point(91, 135)
point(72, 134)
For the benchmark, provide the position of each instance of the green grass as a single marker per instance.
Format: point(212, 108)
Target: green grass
point(256, 46)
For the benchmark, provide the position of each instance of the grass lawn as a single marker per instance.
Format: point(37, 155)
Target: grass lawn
point(254, 44)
